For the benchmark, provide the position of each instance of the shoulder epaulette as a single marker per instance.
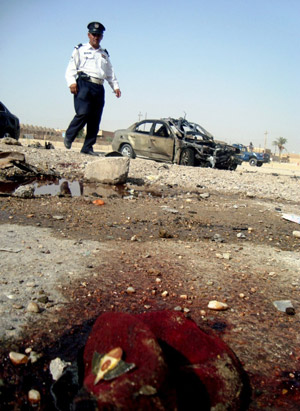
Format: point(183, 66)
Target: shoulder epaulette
point(78, 46)
point(106, 52)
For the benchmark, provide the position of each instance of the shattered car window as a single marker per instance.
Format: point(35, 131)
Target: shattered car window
point(144, 127)
point(160, 130)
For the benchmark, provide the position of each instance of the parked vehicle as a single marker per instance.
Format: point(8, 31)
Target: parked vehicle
point(175, 140)
point(9, 123)
point(252, 157)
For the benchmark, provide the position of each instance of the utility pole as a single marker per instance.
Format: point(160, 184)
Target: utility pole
point(266, 135)
point(139, 116)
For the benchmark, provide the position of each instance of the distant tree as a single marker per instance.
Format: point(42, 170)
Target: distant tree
point(280, 142)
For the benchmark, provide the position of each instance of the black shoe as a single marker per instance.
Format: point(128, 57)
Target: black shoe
point(67, 143)
point(90, 153)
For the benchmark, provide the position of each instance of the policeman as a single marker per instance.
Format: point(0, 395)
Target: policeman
point(88, 68)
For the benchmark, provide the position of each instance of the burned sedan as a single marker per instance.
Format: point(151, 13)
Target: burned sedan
point(175, 140)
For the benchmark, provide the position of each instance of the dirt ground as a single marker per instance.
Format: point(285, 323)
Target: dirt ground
point(76, 260)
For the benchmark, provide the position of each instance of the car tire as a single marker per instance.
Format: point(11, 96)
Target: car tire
point(187, 157)
point(253, 162)
point(259, 164)
point(127, 151)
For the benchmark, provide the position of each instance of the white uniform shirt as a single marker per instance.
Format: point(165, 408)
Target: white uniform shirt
point(94, 62)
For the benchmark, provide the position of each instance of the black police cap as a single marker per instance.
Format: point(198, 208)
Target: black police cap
point(96, 28)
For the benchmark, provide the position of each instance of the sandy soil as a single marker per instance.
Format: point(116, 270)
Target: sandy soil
point(199, 234)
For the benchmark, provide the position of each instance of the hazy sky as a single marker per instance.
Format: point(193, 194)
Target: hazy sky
point(232, 66)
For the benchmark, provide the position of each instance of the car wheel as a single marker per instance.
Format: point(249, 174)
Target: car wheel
point(127, 151)
point(187, 157)
point(253, 162)
point(259, 164)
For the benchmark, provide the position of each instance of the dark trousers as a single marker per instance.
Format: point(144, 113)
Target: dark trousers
point(88, 103)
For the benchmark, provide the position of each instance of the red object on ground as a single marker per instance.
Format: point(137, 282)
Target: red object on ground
point(201, 363)
point(137, 388)
point(177, 366)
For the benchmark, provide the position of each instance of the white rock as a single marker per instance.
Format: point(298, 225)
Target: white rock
point(32, 307)
point(17, 358)
point(217, 305)
point(108, 170)
point(296, 234)
point(130, 290)
point(34, 397)
point(57, 367)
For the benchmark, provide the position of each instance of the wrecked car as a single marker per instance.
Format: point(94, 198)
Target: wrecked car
point(175, 140)
point(9, 123)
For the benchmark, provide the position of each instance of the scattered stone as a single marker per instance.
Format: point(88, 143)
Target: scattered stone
point(130, 290)
point(43, 299)
point(296, 234)
point(226, 256)
point(34, 357)
point(134, 238)
point(164, 294)
point(164, 233)
point(217, 238)
point(283, 305)
point(204, 195)
point(290, 311)
point(241, 235)
point(32, 307)
point(250, 195)
point(169, 209)
point(10, 141)
point(183, 296)
point(58, 217)
point(177, 308)
point(34, 397)
point(17, 358)
point(57, 367)
point(26, 191)
point(217, 305)
point(108, 170)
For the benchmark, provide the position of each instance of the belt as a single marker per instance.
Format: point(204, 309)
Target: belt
point(86, 77)
point(95, 80)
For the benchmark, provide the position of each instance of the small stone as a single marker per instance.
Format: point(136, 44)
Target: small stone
point(186, 310)
point(226, 256)
point(134, 238)
point(17, 358)
point(178, 308)
point(158, 280)
point(43, 299)
point(290, 311)
point(130, 290)
point(17, 306)
point(32, 307)
point(164, 294)
point(58, 217)
point(34, 397)
point(203, 313)
point(241, 235)
point(204, 195)
point(241, 295)
point(34, 356)
point(57, 367)
point(296, 234)
point(183, 296)
point(217, 305)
